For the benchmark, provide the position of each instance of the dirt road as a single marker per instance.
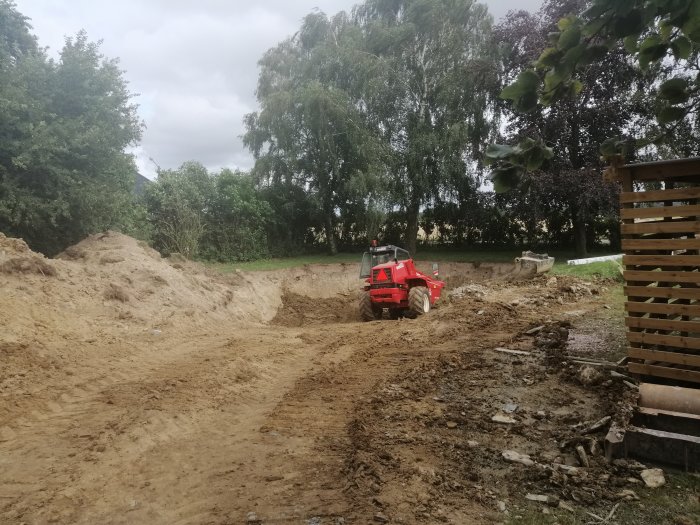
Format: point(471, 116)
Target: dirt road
point(299, 415)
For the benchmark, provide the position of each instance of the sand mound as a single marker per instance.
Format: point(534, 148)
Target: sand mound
point(16, 257)
point(111, 288)
point(108, 287)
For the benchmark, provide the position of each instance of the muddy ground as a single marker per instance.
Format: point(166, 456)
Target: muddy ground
point(135, 389)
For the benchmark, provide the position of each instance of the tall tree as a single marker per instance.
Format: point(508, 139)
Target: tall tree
point(309, 131)
point(64, 130)
point(573, 128)
point(651, 33)
point(431, 96)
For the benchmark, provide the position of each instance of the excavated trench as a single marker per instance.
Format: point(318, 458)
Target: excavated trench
point(322, 294)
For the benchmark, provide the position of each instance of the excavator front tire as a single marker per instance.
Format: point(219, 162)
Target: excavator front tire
point(368, 311)
point(418, 301)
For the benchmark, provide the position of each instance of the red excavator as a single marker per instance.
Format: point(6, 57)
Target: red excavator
point(392, 282)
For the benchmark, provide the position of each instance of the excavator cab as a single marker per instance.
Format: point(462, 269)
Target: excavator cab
point(381, 255)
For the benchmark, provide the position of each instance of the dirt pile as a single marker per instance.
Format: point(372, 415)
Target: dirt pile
point(141, 287)
point(470, 435)
point(301, 310)
point(16, 257)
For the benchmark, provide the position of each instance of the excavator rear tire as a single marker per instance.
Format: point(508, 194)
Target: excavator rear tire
point(418, 301)
point(368, 311)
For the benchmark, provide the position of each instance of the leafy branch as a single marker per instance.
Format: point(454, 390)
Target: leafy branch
point(649, 31)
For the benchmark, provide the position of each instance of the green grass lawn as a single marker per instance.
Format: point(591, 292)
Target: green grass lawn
point(604, 269)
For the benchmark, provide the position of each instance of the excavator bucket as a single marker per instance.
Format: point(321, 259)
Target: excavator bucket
point(531, 263)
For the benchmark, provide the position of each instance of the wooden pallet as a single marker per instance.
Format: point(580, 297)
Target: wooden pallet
point(661, 242)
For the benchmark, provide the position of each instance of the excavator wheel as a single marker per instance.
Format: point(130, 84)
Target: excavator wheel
point(368, 311)
point(418, 301)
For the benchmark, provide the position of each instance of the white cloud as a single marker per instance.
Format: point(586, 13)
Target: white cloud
point(192, 63)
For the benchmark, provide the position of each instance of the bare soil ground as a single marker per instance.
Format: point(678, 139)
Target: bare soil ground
point(135, 389)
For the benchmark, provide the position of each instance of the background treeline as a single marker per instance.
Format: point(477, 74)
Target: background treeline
point(372, 124)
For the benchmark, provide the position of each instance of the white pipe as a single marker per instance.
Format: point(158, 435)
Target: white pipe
point(595, 259)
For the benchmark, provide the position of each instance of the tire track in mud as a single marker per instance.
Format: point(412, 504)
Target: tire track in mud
point(315, 467)
point(315, 471)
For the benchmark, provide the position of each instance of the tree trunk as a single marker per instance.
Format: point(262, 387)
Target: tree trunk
point(615, 240)
point(579, 232)
point(412, 227)
point(330, 235)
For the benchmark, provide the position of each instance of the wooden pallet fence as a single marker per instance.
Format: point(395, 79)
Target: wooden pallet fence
point(660, 213)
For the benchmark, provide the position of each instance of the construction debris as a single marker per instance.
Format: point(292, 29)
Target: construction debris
point(552, 501)
point(512, 352)
point(583, 457)
point(589, 376)
point(653, 477)
point(533, 263)
point(598, 425)
point(628, 495)
point(536, 329)
point(502, 418)
point(516, 457)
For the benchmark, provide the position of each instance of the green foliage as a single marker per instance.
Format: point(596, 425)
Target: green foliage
point(383, 109)
point(64, 172)
point(199, 215)
point(177, 203)
point(523, 92)
point(564, 195)
point(309, 132)
point(603, 269)
point(527, 153)
point(434, 76)
point(236, 220)
point(653, 33)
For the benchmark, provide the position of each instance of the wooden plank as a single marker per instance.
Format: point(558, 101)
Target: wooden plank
point(665, 171)
point(681, 194)
point(676, 358)
point(651, 212)
point(661, 260)
point(663, 308)
point(663, 371)
point(662, 324)
point(661, 244)
point(661, 277)
point(658, 291)
point(685, 343)
point(662, 227)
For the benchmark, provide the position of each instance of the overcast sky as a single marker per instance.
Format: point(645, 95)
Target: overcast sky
point(193, 63)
